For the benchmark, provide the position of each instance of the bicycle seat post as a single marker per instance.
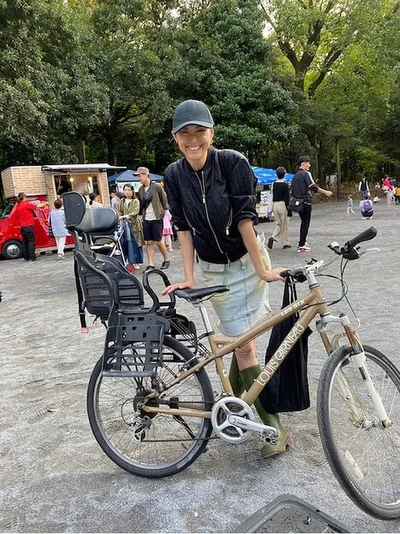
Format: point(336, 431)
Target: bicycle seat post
point(204, 315)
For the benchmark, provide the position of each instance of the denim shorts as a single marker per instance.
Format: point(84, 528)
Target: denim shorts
point(247, 299)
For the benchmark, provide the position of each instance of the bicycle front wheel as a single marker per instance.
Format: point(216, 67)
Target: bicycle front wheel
point(363, 454)
point(147, 444)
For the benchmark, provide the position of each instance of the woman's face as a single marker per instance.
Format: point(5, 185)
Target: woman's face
point(194, 141)
point(128, 193)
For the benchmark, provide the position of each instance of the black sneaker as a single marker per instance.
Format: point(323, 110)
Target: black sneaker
point(165, 264)
point(149, 268)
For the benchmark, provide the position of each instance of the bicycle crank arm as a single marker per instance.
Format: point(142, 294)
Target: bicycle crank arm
point(270, 433)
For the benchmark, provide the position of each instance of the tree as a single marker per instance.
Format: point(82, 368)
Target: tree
point(224, 61)
point(47, 91)
point(336, 50)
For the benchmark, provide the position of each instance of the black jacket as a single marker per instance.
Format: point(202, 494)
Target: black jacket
point(210, 203)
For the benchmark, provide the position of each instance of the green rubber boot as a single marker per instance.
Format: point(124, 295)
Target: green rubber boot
point(268, 450)
point(235, 378)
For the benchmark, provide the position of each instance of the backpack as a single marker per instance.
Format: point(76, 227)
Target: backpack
point(367, 205)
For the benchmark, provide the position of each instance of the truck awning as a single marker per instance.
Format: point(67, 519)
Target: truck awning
point(80, 167)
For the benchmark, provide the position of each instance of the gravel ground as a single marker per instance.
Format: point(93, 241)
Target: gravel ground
point(57, 479)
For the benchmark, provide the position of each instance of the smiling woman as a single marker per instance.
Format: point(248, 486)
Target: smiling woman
point(211, 198)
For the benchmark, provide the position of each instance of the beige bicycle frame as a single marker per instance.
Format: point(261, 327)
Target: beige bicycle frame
point(314, 302)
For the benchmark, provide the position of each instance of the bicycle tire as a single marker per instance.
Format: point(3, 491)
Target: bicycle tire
point(363, 455)
point(159, 445)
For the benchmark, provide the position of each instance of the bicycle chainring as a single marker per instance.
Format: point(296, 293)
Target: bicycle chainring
point(223, 428)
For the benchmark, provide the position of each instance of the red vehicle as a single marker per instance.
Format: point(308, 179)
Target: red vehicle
point(10, 235)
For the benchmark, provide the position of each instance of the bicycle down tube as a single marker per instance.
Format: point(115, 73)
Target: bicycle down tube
point(220, 348)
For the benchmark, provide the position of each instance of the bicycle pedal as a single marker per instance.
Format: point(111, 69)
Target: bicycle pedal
point(270, 436)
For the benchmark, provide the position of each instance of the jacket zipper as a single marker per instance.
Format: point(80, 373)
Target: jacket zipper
point(203, 191)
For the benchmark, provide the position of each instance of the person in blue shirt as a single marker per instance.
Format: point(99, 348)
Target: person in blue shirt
point(57, 223)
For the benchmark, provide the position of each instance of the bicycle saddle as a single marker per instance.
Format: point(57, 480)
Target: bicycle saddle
point(199, 294)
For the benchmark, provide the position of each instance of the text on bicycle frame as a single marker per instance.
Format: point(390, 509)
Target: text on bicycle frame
point(280, 354)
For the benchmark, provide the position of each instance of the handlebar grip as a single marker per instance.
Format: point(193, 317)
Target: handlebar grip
point(368, 234)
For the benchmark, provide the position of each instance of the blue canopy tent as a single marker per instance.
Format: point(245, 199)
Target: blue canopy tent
point(268, 176)
point(128, 176)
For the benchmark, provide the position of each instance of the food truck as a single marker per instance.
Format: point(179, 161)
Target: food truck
point(41, 184)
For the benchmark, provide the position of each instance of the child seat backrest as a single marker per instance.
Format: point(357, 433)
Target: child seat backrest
point(127, 285)
point(97, 288)
point(81, 219)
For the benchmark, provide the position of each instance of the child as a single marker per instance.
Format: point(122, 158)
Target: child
point(367, 208)
point(397, 195)
point(167, 230)
point(350, 205)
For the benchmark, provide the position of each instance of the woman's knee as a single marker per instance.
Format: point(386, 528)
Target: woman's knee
point(246, 352)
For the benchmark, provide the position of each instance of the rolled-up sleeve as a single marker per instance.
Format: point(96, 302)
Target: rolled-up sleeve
point(241, 185)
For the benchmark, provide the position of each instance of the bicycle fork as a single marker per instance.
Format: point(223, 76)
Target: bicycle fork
point(360, 361)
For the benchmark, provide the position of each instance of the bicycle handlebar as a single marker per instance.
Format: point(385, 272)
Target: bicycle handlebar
point(366, 235)
point(348, 251)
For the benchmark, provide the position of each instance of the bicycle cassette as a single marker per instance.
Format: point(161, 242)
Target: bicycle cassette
point(221, 418)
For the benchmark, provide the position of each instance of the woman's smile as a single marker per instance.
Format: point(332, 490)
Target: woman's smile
point(194, 142)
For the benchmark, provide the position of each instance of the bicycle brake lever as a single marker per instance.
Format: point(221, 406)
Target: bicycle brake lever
point(375, 249)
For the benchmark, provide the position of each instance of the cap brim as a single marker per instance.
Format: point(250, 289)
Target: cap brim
point(205, 124)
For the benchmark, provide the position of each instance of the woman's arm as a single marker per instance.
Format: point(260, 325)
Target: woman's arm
point(134, 207)
point(246, 230)
point(187, 253)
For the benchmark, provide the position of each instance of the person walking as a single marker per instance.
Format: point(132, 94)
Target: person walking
point(302, 187)
point(23, 216)
point(167, 233)
point(57, 224)
point(211, 198)
point(387, 188)
point(280, 197)
point(363, 187)
point(128, 209)
point(153, 203)
point(350, 205)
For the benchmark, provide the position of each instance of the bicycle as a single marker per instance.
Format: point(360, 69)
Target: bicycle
point(152, 409)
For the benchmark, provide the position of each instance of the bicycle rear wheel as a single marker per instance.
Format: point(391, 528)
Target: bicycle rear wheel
point(146, 444)
point(363, 454)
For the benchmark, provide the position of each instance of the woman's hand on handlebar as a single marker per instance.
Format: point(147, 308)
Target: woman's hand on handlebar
point(273, 275)
point(173, 287)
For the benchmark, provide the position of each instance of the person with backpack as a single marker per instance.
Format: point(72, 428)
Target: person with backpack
point(367, 208)
point(212, 202)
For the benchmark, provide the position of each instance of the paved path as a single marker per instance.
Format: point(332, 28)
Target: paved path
point(55, 478)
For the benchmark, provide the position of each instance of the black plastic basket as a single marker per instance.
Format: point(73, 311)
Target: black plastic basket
point(134, 345)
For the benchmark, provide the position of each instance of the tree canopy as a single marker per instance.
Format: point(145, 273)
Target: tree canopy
point(97, 80)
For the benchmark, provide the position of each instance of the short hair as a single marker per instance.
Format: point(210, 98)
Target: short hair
point(280, 172)
point(303, 159)
point(20, 197)
point(58, 203)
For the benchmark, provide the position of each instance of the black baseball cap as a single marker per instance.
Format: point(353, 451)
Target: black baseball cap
point(191, 112)
point(303, 159)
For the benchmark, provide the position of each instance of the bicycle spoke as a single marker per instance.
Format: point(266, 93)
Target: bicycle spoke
point(363, 453)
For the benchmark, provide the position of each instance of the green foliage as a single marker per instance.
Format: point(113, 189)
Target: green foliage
point(224, 61)
point(106, 75)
